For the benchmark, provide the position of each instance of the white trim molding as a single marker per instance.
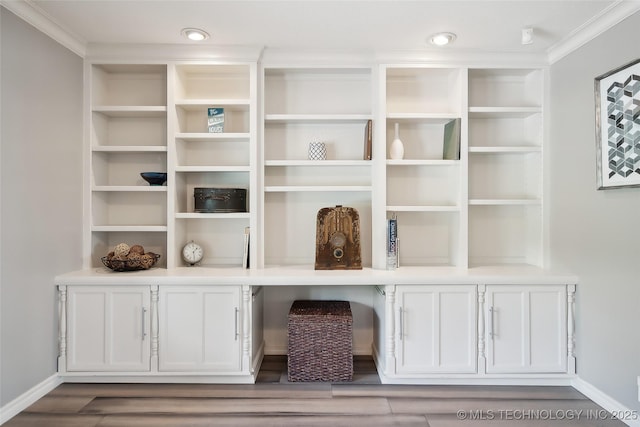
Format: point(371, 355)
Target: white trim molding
point(28, 398)
point(607, 402)
point(37, 17)
point(591, 29)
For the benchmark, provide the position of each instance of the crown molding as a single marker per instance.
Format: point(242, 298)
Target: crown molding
point(38, 18)
point(591, 29)
point(172, 52)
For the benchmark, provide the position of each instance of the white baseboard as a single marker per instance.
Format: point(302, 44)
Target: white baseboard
point(28, 398)
point(627, 416)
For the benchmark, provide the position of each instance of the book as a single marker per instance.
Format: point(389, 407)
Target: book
point(215, 119)
point(392, 243)
point(451, 143)
point(368, 140)
point(245, 254)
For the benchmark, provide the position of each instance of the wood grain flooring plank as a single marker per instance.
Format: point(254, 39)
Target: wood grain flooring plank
point(459, 392)
point(59, 404)
point(342, 406)
point(452, 406)
point(358, 378)
point(505, 421)
point(24, 419)
point(282, 391)
point(265, 421)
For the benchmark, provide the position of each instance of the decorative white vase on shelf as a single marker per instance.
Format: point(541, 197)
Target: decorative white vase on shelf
point(396, 152)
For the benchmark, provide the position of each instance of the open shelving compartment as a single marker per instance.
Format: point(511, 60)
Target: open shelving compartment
point(425, 190)
point(505, 166)
point(127, 136)
point(304, 105)
point(203, 159)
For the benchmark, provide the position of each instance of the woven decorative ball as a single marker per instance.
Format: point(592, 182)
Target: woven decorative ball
point(121, 250)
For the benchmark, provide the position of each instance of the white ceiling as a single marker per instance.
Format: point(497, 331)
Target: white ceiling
point(383, 25)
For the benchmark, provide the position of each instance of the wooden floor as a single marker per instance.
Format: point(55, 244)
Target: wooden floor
point(273, 401)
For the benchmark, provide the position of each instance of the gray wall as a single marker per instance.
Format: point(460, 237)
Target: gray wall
point(596, 233)
point(41, 197)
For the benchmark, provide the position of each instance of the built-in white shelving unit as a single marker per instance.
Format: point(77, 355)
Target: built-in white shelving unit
point(471, 226)
point(127, 134)
point(484, 208)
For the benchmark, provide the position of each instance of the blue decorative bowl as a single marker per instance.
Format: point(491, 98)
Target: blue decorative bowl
point(154, 178)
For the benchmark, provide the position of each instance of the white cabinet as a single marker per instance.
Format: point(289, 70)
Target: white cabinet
point(526, 329)
point(426, 333)
point(108, 328)
point(436, 329)
point(200, 328)
point(180, 333)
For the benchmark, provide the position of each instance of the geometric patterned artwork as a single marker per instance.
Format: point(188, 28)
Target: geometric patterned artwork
point(623, 111)
point(618, 122)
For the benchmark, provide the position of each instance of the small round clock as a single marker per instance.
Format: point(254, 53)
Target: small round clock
point(192, 253)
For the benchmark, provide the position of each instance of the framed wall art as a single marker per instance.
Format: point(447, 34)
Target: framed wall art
point(617, 96)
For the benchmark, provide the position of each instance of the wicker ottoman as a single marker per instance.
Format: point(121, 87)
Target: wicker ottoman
point(320, 344)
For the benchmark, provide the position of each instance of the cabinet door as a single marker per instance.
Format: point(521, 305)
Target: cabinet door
point(107, 328)
point(436, 329)
point(199, 328)
point(527, 329)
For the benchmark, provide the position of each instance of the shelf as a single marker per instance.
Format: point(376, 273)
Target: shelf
point(317, 163)
point(204, 136)
point(510, 149)
point(212, 168)
point(435, 118)
point(316, 118)
point(131, 110)
point(423, 162)
point(504, 202)
point(129, 149)
point(130, 228)
point(152, 188)
point(317, 188)
point(423, 209)
point(503, 112)
point(198, 104)
point(222, 215)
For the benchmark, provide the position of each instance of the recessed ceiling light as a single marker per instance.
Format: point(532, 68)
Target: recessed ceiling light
point(442, 39)
point(195, 34)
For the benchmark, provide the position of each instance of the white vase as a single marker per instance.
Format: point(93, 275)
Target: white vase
point(396, 152)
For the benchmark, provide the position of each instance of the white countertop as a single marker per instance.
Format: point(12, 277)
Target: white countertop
point(307, 275)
